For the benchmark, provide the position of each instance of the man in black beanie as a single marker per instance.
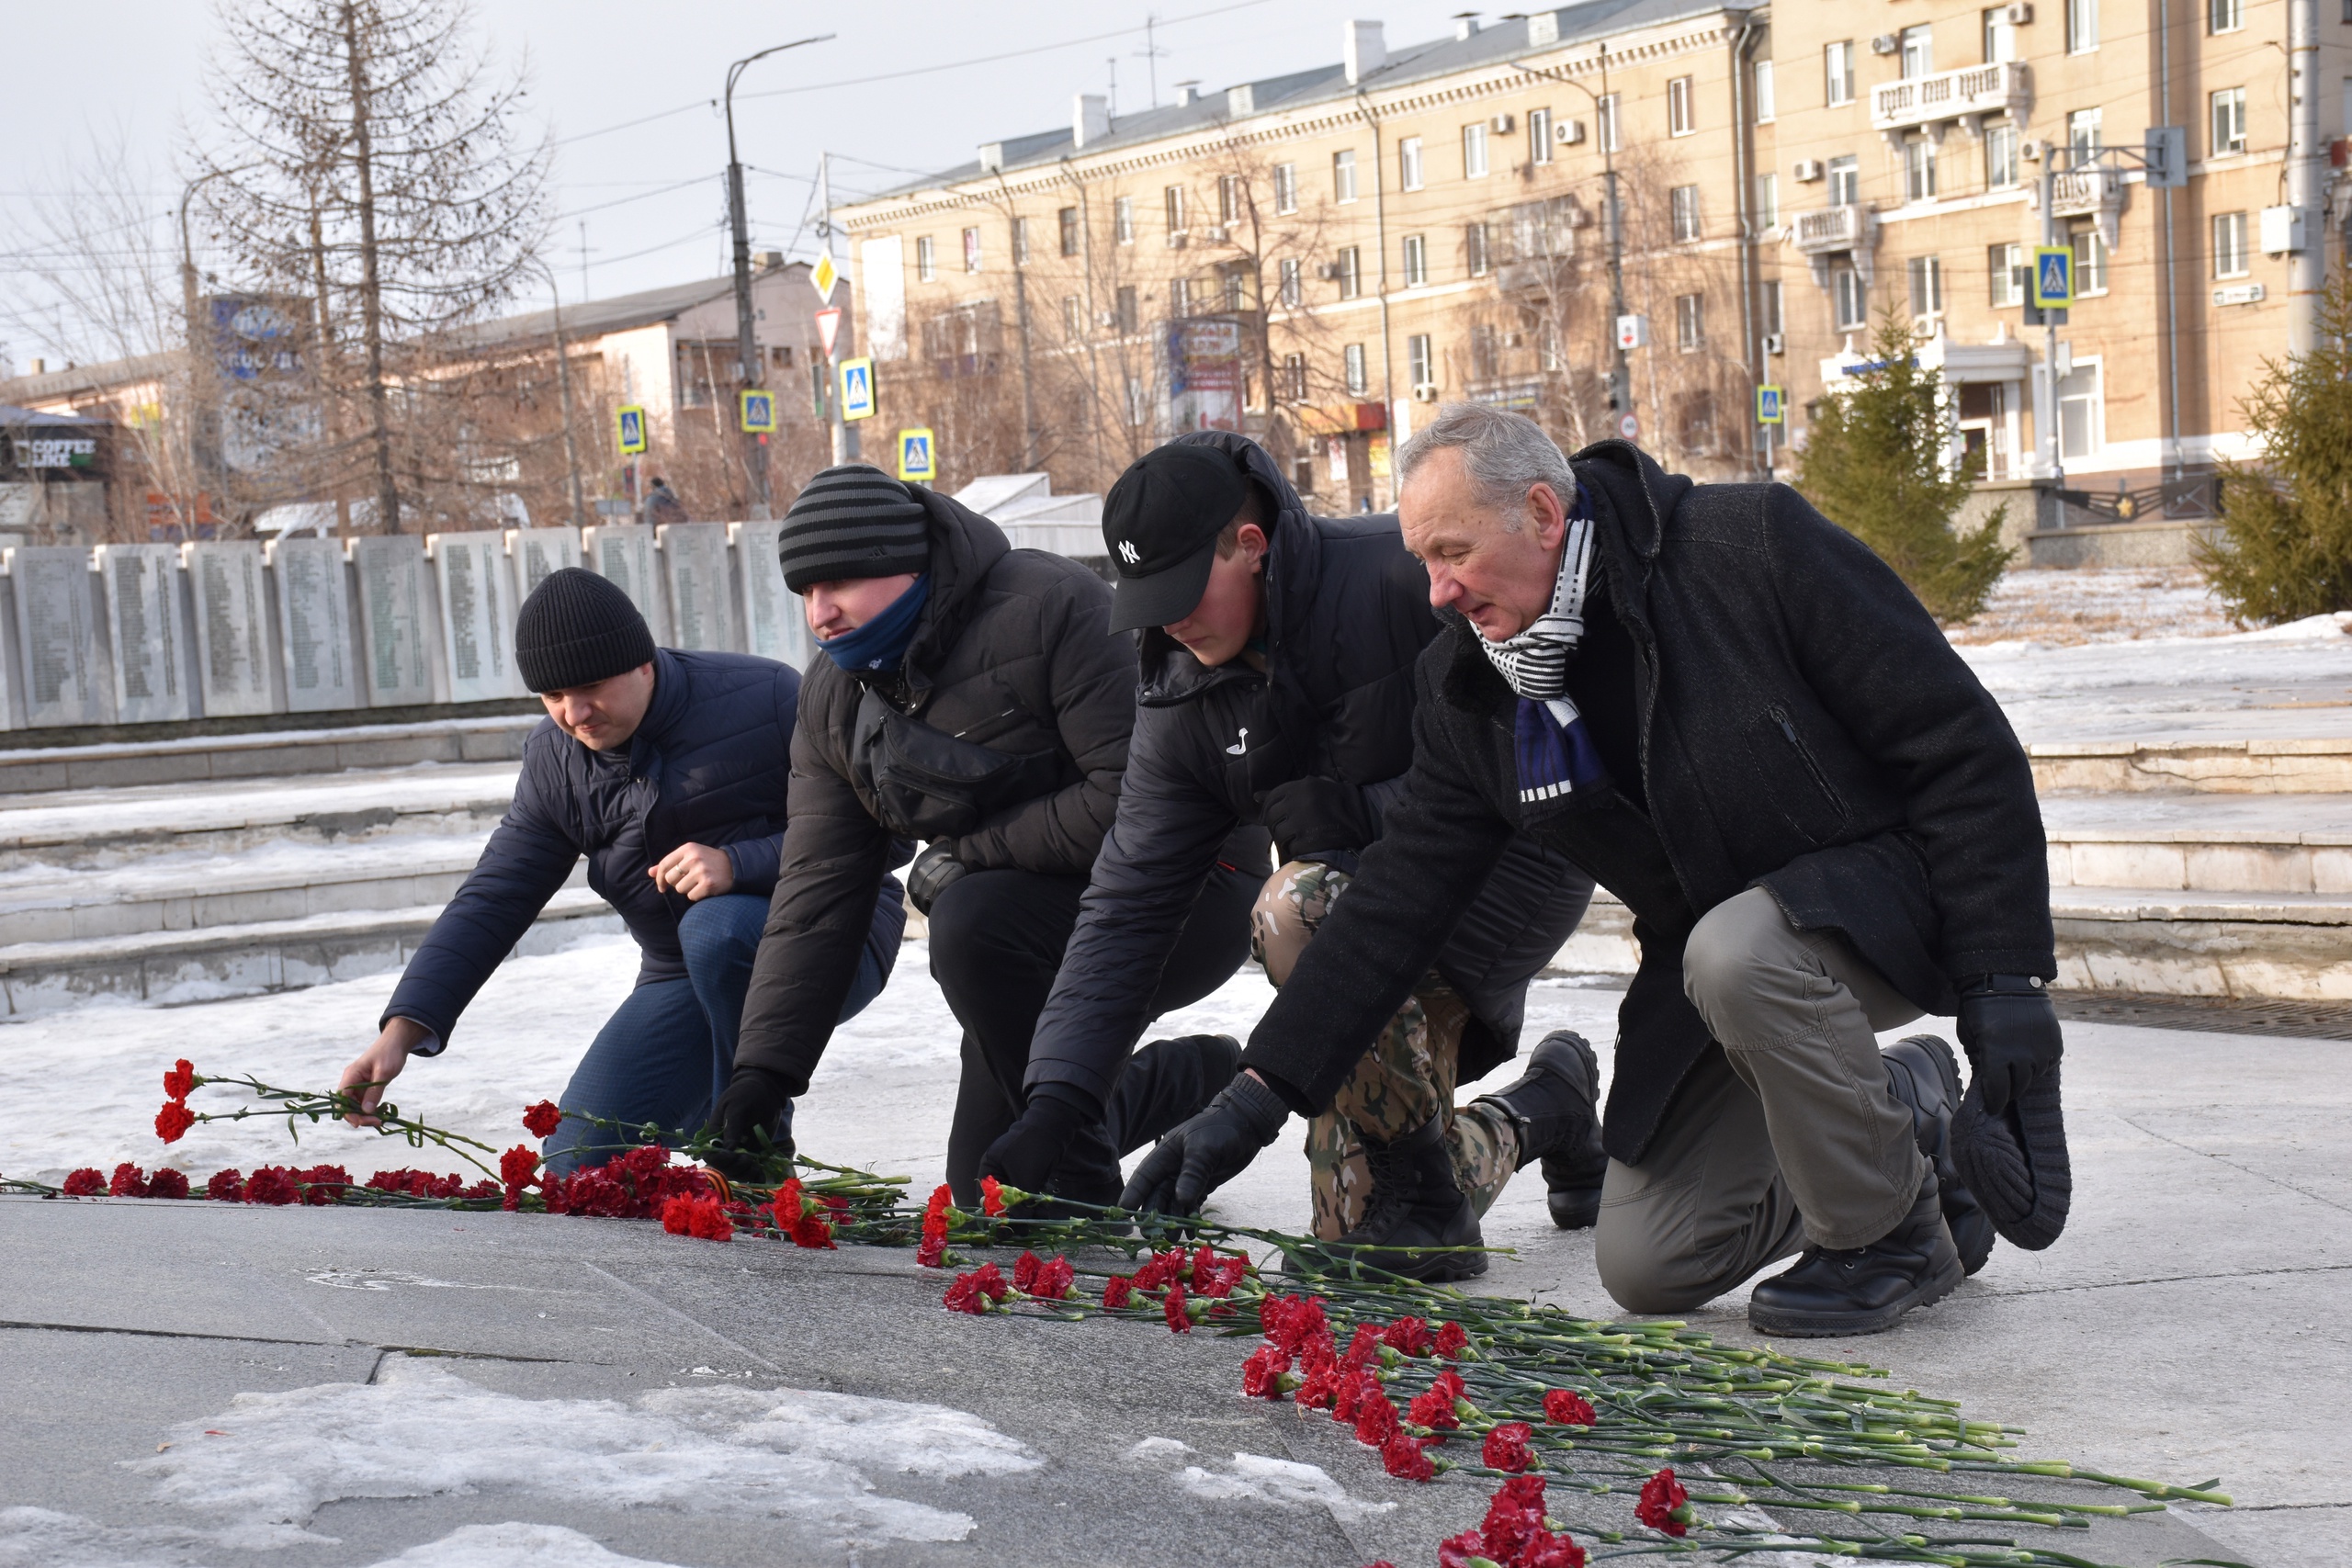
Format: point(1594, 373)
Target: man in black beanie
point(971, 699)
point(666, 769)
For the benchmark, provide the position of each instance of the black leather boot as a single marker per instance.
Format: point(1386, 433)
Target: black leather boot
point(1415, 1204)
point(1925, 1077)
point(1863, 1290)
point(1553, 1106)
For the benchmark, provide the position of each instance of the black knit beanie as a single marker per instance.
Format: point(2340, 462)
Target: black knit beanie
point(851, 520)
point(577, 628)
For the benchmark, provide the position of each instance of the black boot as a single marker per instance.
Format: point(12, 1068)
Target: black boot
point(1863, 1290)
point(1168, 1082)
point(1415, 1203)
point(1553, 1107)
point(1921, 1072)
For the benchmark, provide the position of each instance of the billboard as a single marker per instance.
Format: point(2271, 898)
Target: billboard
point(1203, 374)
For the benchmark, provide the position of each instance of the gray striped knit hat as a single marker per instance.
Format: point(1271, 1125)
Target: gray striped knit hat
point(851, 520)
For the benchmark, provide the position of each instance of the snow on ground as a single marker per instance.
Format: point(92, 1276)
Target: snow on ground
point(41, 1537)
point(2060, 609)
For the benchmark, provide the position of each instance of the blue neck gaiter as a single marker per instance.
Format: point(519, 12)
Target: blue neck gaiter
point(881, 642)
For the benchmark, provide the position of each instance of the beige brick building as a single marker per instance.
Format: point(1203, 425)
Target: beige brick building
point(1318, 258)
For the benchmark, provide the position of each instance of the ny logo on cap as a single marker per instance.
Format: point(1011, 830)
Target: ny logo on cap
point(1128, 553)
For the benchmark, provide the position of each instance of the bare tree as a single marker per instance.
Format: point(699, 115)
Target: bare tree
point(370, 169)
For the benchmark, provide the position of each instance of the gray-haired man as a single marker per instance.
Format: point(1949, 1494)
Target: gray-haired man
point(1738, 720)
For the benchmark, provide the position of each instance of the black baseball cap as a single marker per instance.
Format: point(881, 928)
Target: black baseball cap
point(1161, 523)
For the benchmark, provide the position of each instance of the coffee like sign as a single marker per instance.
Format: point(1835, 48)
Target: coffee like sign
point(55, 452)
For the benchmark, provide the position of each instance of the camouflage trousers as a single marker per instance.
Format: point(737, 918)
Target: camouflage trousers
point(1406, 1077)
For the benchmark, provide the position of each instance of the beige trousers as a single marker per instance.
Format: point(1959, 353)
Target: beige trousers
point(1789, 1134)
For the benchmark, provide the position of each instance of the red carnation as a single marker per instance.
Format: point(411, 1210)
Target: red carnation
point(85, 1183)
point(991, 1196)
point(1118, 1291)
point(1565, 1407)
point(225, 1187)
point(180, 1082)
point(813, 1232)
point(515, 1168)
point(1434, 1408)
point(990, 1279)
point(167, 1184)
point(1261, 1374)
point(272, 1184)
point(1172, 1308)
point(932, 1253)
point(1410, 1335)
point(967, 1293)
point(1462, 1550)
point(1450, 1340)
point(128, 1182)
point(1506, 1447)
point(1316, 1392)
point(1364, 1345)
point(542, 1119)
point(1055, 1280)
point(1665, 1506)
point(787, 1203)
point(1024, 1272)
point(1375, 1417)
point(1401, 1455)
point(174, 1120)
point(702, 1218)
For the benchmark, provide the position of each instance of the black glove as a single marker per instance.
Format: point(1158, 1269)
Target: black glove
point(2008, 1025)
point(933, 870)
point(744, 1124)
point(1209, 1151)
point(1030, 1150)
point(1311, 815)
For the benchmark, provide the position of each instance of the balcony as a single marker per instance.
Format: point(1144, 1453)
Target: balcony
point(1969, 93)
point(2095, 191)
point(1827, 230)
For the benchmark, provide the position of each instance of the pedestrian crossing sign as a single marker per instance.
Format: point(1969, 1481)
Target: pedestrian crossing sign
point(2054, 278)
point(628, 425)
point(757, 409)
point(1768, 405)
point(857, 389)
point(918, 459)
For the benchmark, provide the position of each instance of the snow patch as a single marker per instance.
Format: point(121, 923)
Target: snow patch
point(419, 1431)
point(40, 1537)
point(1257, 1478)
point(1152, 1449)
point(515, 1546)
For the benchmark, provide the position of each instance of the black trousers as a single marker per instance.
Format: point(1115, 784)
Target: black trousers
point(996, 943)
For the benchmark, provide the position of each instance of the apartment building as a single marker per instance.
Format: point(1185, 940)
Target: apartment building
point(1317, 258)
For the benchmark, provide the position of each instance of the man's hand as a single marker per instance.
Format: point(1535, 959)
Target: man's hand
point(378, 1064)
point(695, 870)
point(934, 871)
point(2009, 1026)
point(1032, 1148)
point(1210, 1150)
point(1315, 814)
point(754, 1099)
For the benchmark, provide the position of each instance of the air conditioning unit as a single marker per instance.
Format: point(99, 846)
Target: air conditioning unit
point(1106, 318)
point(1214, 235)
point(1514, 340)
point(2019, 15)
point(1503, 124)
point(1568, 132)
point(1885, 43)
point(1808, 170)
point(1176, 241)
point(1775, 344)
point(1329, 272)
point(1425, 391)
point(2030, 150)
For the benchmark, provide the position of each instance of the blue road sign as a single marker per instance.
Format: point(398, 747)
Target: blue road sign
point(757, 409)
point(629, 424)
point(2053, 277)
point(1767, 405)
point(917, 459)
point(857, 389)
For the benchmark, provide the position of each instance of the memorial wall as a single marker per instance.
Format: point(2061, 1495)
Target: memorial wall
point(145, 634)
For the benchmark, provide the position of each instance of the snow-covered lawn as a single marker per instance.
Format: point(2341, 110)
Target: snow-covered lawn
point(2098, 604)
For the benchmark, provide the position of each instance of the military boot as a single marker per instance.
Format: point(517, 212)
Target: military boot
point(1415, 1203)
point(1926, 1079)
point(1863, 1290)
point(1553, 1106)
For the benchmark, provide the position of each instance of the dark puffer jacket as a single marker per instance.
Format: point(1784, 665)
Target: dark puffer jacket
point(1013, 653)
point(1804, 727)
point(1347, 615)
point(707, 766)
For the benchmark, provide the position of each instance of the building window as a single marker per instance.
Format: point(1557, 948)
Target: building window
point(971, 250)
point(1609, 123)
point(1689, 322)
point(1359, 380)
point(1772, 319)
point(1919, 169)
point(2082, 415)
point(2004, 270)
point(1122, 220)
point(1172, 200)
point(1286, 188)
point(1474, 249)
point(1768, 201)
point(1408, 164)
point(1918, 50)
point(1351, 273)
point(1927, 275)
point(1294, 376)
point(1683, 205)
point(1236, 279)
point(1837, 73)
point(1849, 306)
point(1681, 112)
point(2090, 259)
point(1417, 261)
point(1179, 297)
point(2000, 36)
point(926, 260)
point(1473, 151)
point(1139, 405)
point(1766, 105)
point(1130, 314)
point(1294, 286)
point(1844, 181)
point(2224, 15)
point(2083, 134)
point(2000, 156)
point(1343, 176)
point(1539, 136)
point(2229, 245)
point(1228, 199)
point(2082, 25)
point(1420, 368)
point(1073, 317)
point(2229, 121)
point(1069, 231)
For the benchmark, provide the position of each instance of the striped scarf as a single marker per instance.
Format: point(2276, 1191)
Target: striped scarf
point(1556, 753)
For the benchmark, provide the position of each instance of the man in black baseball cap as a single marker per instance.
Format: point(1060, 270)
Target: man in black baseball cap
point(1278, 656)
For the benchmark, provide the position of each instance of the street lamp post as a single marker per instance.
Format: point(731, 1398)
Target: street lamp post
point(563, 380)
point(1604, 125)
point(190, 306)
point(746, 347)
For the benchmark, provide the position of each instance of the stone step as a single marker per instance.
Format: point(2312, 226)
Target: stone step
point(2220, 843)
point(2193, 766)
point(267, 956)
point(265, 754)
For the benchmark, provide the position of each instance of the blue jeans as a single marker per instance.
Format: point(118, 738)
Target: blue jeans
point(665, 1056)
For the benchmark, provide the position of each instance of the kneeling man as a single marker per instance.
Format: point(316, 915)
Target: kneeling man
point(1739, 721)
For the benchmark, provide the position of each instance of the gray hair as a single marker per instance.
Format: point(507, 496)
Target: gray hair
point(1502, 454)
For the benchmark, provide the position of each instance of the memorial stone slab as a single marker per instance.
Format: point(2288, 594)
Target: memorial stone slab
point(56, 637)
point(478, 604)
point(773, 625)
point(623, 555)
point(314, 623)
point(395, 637)
point(702, 597)
point(147, 630)
point(234, 663)
point(538, 551)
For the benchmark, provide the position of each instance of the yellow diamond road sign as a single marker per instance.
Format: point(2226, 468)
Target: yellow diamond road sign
point(824, 275)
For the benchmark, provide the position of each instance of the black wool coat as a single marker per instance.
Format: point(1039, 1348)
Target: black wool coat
point(1804, 727)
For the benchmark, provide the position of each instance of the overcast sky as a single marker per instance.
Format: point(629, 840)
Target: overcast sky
point(132, 70)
